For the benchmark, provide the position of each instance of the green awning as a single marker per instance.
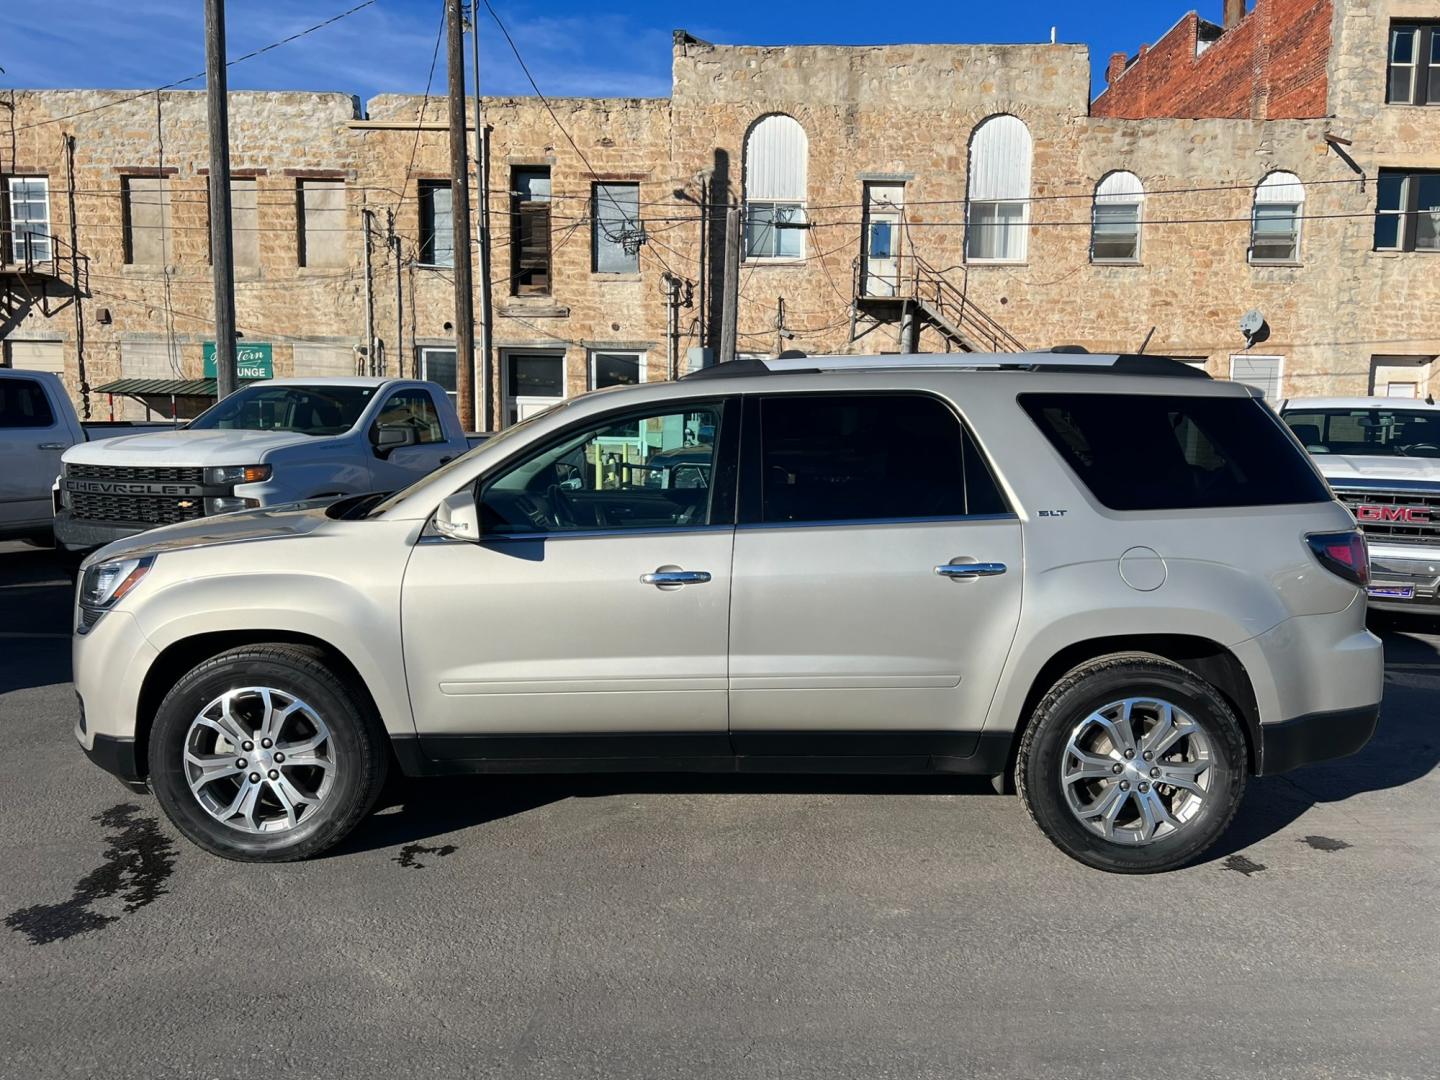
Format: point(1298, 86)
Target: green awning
point(158, 387)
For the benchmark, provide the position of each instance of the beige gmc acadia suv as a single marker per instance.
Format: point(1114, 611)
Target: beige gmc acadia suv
point(1115, 582)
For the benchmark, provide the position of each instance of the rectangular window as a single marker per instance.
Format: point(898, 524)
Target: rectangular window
point(322, 222)
point(438, 366)
point(1116, 235)
point(1161, 452)
point(23, 405)
point(533, 382)
point(853, 457)
point(774, 230)
point(30, 219)
point(1412, 76)
point(530, 232)
point(1275, 233)
point(996, 232)
point(437, 224)
point(148, 224)
point(1407, 210)
point(616, 369)
point(617, 235)
point(412, 410)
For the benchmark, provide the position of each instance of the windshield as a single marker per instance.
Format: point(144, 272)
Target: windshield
point(1377, 432)
point(459, 463)
point(305, 410)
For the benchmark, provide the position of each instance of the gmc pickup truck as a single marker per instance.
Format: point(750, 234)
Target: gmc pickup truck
point(37, 424)
point(270, 443)
point(1382, 459)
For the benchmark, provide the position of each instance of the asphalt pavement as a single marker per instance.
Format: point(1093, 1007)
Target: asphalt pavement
point(669, 927)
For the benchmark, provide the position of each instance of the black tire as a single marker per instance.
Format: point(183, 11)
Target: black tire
point(1092, 686)
point(359, 747)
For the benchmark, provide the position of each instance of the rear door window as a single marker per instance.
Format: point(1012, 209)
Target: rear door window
point(1158, 452)
point(23, 405)
point(865, 457)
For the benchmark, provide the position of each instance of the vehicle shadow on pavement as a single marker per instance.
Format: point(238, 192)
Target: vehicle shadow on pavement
point(1405, 748)
point(413, 809)
point(36, 595)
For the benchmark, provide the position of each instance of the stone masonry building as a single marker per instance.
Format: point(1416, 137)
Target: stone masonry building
point(893, 197)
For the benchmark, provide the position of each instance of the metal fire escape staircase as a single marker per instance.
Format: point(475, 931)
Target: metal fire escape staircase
point(39, 270)
point(918, 295)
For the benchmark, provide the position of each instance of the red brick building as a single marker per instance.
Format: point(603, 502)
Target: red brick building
point(1269, 64)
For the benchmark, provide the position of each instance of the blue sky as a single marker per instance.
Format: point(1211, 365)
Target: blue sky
point(622, 48)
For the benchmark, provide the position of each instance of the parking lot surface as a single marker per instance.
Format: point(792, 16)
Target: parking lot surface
point(635, 927)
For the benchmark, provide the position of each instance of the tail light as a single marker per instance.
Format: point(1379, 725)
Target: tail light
point(1343, 554)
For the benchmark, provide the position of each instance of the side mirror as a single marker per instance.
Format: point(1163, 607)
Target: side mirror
point(387, 439)
point(458, 518)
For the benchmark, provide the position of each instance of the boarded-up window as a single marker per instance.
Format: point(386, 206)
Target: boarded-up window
point(148, 222)
point(617, 231)
point(155, 359)
point(35, 355)
point(322, 222)
point(530, 232)
point(316, 358)
point(244, 223)
point(998, 210)
point(437, 224)
point(1261, 372)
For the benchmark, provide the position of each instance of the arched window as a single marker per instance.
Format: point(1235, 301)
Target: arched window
point(1275, 225)
point(1115, 219)
point(776, 152)
point(998, 208)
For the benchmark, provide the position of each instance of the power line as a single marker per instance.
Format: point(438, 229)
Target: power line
point(199, 75)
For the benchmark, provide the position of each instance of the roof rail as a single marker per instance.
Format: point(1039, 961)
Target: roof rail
point(1054, 361)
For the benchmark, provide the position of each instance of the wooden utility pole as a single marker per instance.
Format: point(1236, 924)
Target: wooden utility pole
point(222, 258)
point(730, 294)
point(75, 278)
point(460, 217)
point(394, 242)
point(482, 231)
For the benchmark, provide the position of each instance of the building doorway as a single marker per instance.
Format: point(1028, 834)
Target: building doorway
point(884, 213)
point(533, 382)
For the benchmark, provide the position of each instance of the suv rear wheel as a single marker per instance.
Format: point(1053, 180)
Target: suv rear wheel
point(1132, 764)
point(262, 754)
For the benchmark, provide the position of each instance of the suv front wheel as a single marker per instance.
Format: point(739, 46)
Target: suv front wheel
point(1132, 764)
point(262, 754)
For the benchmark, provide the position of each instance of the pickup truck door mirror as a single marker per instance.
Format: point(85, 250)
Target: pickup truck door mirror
point(387, 439)
point(458, 518)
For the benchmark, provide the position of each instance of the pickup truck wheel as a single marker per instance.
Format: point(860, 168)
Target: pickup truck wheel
point(262, 754)
point(1132, 764)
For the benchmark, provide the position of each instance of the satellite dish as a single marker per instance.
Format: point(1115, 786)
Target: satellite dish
point(1253, 326)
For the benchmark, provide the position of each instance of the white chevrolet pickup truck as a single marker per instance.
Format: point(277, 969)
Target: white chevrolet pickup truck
point(1382, 459)
point(270, 443)
point(37, 425)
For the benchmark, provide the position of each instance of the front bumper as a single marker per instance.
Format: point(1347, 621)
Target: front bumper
point(1320, 736)
point(1404, 577)
point(117, 756)
point(74, 534)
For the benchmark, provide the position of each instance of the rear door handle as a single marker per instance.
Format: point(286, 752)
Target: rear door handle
point(663, 578)
point(966, 570)
point(52, 446)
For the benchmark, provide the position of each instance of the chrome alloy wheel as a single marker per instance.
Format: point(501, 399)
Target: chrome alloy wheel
point(259, 759)
point(1136, 771)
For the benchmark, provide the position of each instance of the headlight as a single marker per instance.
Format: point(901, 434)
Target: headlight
point(107, 583)
point(229, 504)
point(237, 474)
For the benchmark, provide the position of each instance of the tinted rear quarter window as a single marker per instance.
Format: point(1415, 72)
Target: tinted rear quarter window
point(868, 457)
point(1161, 452)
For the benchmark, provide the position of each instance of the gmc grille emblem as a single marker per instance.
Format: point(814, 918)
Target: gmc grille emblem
point(1411, 515)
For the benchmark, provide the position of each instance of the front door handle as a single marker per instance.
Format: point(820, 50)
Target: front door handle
point(672, 578)
point(52, 446)
point(965, 571)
